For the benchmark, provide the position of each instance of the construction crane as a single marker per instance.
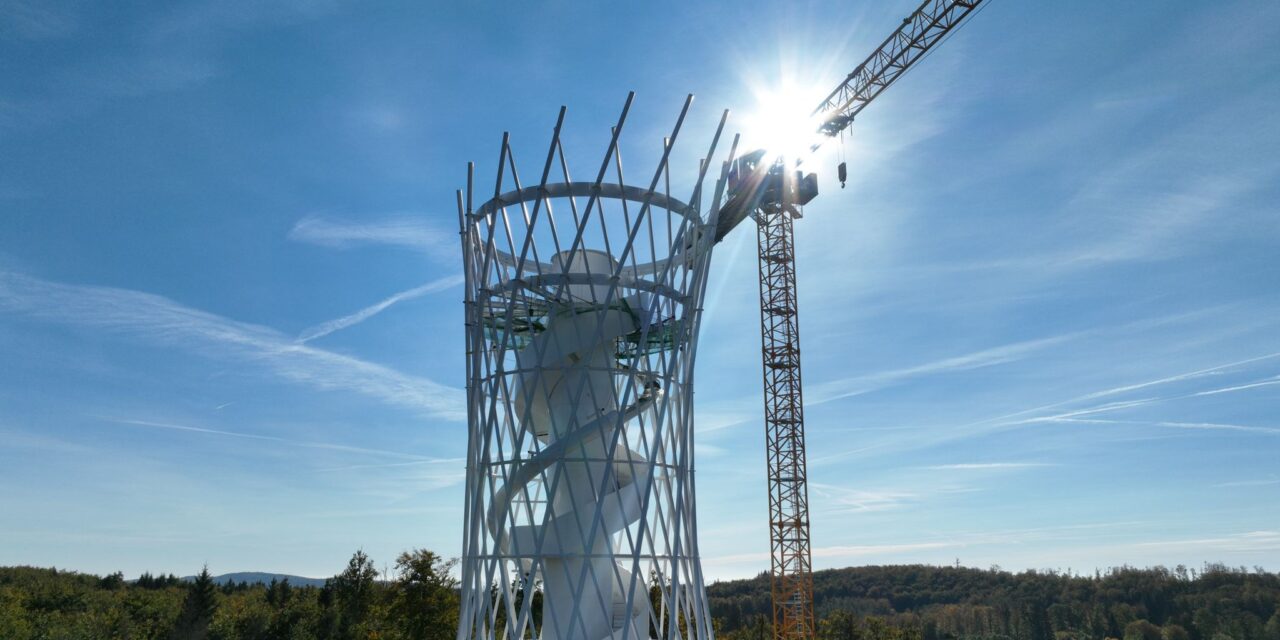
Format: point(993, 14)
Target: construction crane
point(772, 190)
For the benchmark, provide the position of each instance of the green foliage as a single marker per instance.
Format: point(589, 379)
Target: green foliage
point(197, 609)
point(148, 581)
point(842, 625)
point(13, 618)
point(425, 602)
point(1141, 630)
point(242, 617)
point(946, 603)
point(47, 603)
point(355, 596)
point(420, 601)
point(1272, 630)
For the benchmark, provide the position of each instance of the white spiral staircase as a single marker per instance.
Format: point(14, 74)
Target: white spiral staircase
point(569, 395)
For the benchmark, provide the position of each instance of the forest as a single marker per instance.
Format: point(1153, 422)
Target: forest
point(418, 599)
point(933, 603)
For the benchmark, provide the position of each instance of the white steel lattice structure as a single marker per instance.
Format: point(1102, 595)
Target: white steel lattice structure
point(582, 308)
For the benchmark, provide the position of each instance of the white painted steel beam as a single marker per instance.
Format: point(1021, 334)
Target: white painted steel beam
point(581, 336)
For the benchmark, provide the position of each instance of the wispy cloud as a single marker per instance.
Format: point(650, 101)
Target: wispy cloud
point(172, 49)
point(1238, 542)
point(847, 387)
point(726, 414)
point(1217, 426)
point(1207, 426)
point(849, 500)
point(1249, 483)
point(838, 551)
point(413, 458)
point(392, 465)
point(36, 20)
point(1154, 225)
point(1241, 387)
point(860, 550)
point(12, 439)
point(365, 514)
point(326, 328)
point(993, 466)
point(1005, 419)
point(1000, 538)
point(1075, 415)
point(1199, 373)
point(401, 230)
point(180, 427)
point(716, 416)
point(159, 320)
point(1156, 197)
point(841, 455)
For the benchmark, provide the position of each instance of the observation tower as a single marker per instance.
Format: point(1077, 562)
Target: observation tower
point(583, 300)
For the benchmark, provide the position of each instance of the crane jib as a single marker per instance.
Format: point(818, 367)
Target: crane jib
point(918, 33)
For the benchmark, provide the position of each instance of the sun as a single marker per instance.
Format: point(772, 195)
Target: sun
point(781, 121)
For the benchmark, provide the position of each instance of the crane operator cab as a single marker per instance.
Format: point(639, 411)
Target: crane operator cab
point(775, 187)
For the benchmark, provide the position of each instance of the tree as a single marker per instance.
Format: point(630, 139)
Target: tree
point(425, 604)
point(355, 592)
point(840, 625)
point(1141, 630)
point(13, 616)
point(1272, 630)
point(112, 582)
point(243, 616)
point(197, 609)
point(279, 592)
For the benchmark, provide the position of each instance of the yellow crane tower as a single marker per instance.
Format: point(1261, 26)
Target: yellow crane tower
point(772, 190)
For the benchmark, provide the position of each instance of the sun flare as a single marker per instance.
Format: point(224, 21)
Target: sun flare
point(781, 122)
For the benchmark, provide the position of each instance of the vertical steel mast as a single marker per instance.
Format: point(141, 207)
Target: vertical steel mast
point(792, 583)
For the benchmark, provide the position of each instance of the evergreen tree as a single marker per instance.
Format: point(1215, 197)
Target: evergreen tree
point(355, 592)
point(279, 592)
point(198, 608)
point(329, 623)
point(112, 581)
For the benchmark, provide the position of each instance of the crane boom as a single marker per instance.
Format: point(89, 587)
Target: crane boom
point(772, 193)
point(918, 33)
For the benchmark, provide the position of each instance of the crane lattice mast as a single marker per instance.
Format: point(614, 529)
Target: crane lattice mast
point(773, 194)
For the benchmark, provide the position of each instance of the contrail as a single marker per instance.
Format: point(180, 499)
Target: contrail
point(326, 328)
point(413, 458)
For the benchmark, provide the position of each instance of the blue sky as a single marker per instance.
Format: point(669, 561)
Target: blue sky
point(1039, 324)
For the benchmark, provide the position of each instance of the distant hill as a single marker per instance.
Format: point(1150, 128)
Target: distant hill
point(258, 577)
